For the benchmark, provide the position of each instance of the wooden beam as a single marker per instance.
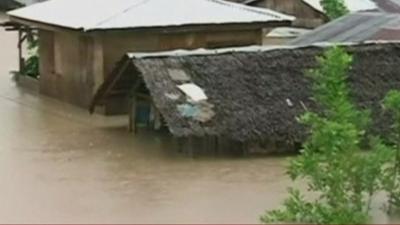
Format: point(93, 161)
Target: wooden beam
point(118, 92)
point(107, 86)
point(43, 26)
point(197, 28)
point(143, 96)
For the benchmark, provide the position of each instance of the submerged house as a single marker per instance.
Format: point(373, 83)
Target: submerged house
point(244, 98)
point(79, 46)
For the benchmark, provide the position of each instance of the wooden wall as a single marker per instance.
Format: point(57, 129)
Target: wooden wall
point(73, 64)
point(66, 66)
point(305, 14)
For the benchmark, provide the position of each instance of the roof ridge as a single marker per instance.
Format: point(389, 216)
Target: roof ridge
point(247, 49)
point(262, 11)
point(136, 4)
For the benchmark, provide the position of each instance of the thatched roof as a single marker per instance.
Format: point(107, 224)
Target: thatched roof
point(256, 95)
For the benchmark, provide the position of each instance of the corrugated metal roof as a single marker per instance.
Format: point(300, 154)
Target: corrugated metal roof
point(125, 14)
point(391, 6)
point(357, 27)
point(352, 5)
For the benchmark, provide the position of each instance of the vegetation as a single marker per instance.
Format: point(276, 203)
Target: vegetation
point(340, 176)
point(334, 8)
point(391, 180)
point(31, 66)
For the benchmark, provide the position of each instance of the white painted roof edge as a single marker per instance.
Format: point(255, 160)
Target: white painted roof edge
point(254, 48)
point(276, 16)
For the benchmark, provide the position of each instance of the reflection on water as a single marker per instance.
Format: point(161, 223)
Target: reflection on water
point(60, 165)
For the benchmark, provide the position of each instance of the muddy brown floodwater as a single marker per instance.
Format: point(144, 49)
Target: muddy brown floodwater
point(60, 165)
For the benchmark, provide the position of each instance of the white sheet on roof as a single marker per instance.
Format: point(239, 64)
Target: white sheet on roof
point(288, 32)
point(352, 5)
point(193, 91)
point(114, 14)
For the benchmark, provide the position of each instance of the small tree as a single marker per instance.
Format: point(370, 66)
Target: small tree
point(343, 178)
point(334, 8)
point(392, 176)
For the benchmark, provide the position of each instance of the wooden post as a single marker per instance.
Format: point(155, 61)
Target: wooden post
point(132, 115)
point(20, 59)
point(157, 119)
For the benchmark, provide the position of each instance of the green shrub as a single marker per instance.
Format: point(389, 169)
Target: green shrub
point(31, 65)
point(332, 162)
point(391, 180)
point(334, 8)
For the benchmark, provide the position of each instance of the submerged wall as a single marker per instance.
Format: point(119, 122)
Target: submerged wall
point(66, 66)
point(73, 64)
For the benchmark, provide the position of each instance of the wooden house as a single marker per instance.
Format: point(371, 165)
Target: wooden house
point(80, 41)
point(243, 99)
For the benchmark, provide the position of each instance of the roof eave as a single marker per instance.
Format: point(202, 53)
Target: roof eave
point(199, 27)
point(160, 29)
point(42, 25)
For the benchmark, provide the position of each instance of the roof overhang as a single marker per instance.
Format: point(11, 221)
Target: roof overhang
point(159, 29)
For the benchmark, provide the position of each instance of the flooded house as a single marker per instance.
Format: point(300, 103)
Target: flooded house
point(241, 99)
point(80, 41)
